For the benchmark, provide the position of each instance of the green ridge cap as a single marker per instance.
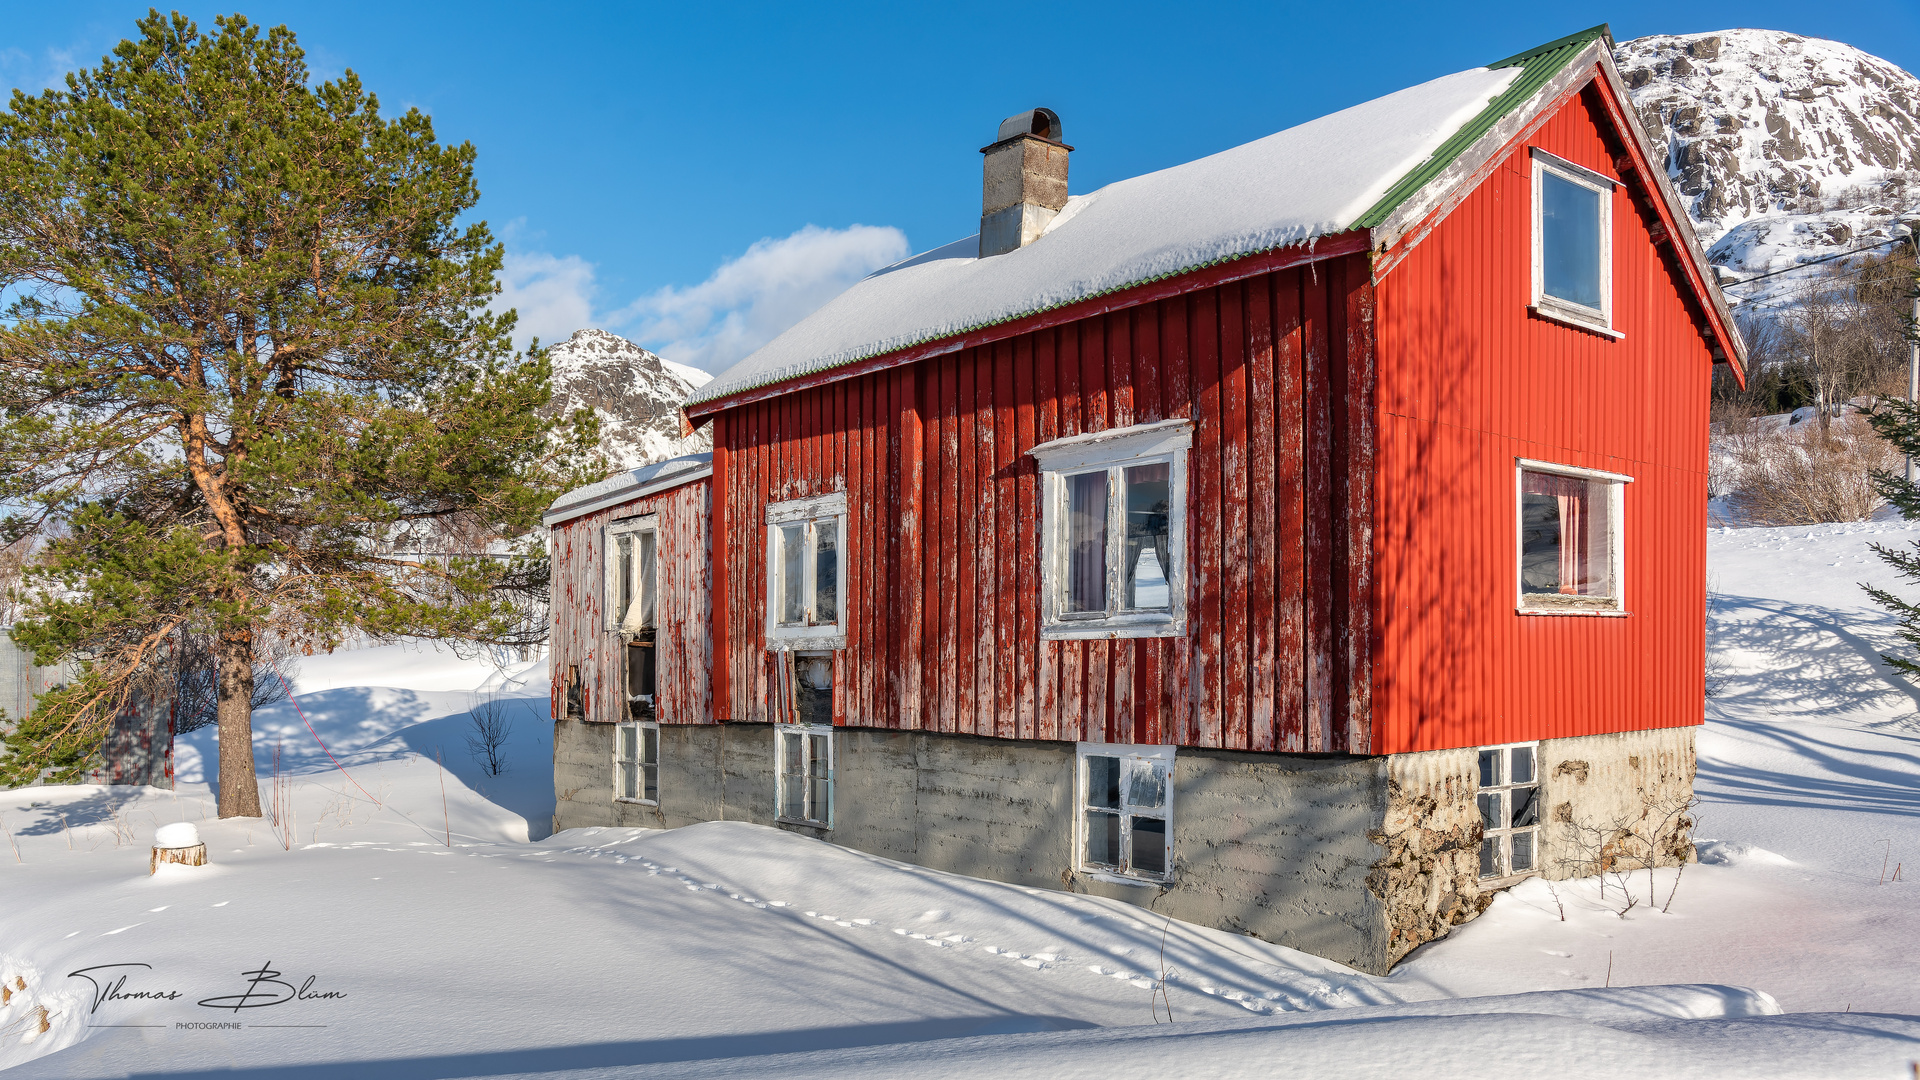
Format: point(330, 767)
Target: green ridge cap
point(1538, 64)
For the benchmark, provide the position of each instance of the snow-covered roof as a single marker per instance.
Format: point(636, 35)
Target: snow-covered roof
point(1306, 182)
point(627, 486)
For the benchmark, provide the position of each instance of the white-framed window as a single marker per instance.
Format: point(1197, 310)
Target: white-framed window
point(636, 762)
point(1572, 242)
point(805, 773)
point(1509, 799)
point(1125, 818)
point(1113, 532)
point(806, 571)
point(632, 574)
point(1568, 555)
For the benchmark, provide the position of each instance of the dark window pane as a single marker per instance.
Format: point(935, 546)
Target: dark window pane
point(1147, 569)
point(1103, 781)
point(1492, 812)
point(1526, 806)
point(1149, 845)
point(793, 803)
point(1539, 543)
point(1147, 786)
point(1569, 241)
point(1522, 771)
point(651, 774)
point(793, 573)
point(650, 745)
point(1490, 768)
point(1490, 857)
point(1522, 852)
point(1086, 585)
point(1103, 838)
point(826, 571)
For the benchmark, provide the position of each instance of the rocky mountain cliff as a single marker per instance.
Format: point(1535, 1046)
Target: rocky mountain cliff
point(1785, 148)
point(636, 394)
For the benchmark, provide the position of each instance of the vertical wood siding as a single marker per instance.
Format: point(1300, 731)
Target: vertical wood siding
point(580, 636)
point(1468, 381)
point(943, 604)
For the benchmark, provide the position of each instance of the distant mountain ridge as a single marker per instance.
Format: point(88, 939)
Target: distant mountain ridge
point(1784, 147)
point(636, 394)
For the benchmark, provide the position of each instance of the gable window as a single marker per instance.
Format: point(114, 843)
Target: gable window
point(806, 563)
point(805, 774)
point(1126, 810)
point(1569, 540)
point(1509, 801)
point(636, 762)
point(1113, 532)
point(1572, 243)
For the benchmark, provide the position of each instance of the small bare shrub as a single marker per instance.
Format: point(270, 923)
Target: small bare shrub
point(1806, 476)
point(491, 722)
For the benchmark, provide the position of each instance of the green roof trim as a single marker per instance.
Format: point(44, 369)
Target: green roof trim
point(1538, 65)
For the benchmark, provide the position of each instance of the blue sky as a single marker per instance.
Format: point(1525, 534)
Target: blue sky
point(693, 175)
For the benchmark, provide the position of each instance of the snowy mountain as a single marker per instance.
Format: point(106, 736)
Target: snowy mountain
point(1785, 148)
point(636, 394)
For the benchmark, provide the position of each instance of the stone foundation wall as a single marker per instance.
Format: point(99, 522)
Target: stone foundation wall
point(1427, 880)
point(1357, 859)
point(1616, 802)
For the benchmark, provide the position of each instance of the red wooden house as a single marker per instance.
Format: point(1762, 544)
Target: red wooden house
point(1305, 540)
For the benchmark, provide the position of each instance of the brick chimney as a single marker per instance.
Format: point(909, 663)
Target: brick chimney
point(1026, 181)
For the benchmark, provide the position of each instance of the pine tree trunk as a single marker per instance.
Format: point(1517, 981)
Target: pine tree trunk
point(239, 790)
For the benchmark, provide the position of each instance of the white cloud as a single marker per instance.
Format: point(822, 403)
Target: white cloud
point(553, 295)
point(749, 300)
point(742, 306)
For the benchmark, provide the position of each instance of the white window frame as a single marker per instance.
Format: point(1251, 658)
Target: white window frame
point(1526, 603)
point(1121, 874)
point(639, 760)
point(823, 733)
point(610, 593)
point(1114, 450)
point(1598, 319)
point(829, 511)
point(1504, 836)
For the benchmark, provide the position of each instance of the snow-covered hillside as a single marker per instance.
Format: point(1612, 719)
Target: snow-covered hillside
point(635, 393)
point(1784, 147)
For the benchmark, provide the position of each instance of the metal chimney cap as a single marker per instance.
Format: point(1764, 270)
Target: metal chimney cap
point(1044, 123)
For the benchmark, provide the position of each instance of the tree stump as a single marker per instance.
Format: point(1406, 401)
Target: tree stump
point(177, 844)
point(185, 856)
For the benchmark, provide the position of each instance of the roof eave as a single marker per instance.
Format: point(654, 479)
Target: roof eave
point(626, 494)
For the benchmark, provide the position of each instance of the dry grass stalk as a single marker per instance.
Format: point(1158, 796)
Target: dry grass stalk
point(1803, 476)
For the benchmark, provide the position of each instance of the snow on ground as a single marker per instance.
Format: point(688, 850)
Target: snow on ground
point(462, 948)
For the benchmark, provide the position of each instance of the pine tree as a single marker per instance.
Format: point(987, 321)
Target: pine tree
point(247, 367)
point(1898, 422)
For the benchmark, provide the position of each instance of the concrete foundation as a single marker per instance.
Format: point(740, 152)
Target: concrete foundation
point(1357, 859)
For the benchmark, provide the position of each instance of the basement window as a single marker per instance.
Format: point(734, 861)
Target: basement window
point(1569, 543)
point(1113, 532)
point(1125, 794)
point(636, 762)
point(805, 789)
point(1572, 242)
point(1509, 799)
point(806, 578)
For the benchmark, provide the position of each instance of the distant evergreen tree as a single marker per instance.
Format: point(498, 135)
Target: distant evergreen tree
point(1898, 421)
point(246, 369)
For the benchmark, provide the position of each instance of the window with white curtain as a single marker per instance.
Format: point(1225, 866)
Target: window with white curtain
point(1113, 528)
point(1569, 553)
point(632, 575)
point(806, 578)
